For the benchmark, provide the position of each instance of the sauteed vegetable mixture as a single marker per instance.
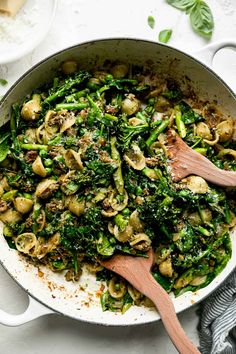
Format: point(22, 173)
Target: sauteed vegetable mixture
point(85, 174)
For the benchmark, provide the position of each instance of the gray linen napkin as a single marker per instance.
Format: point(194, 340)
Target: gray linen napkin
point(217, 326)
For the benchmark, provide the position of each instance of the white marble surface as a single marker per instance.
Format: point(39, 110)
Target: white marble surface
point(77, 21)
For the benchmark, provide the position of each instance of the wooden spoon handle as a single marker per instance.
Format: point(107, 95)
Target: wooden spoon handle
point(213, 174)
point(166, 309)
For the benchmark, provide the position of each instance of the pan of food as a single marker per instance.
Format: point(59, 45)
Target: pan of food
point(85, 174)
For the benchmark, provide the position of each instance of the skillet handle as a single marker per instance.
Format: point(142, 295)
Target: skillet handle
point(207, 53)
point(33, 311)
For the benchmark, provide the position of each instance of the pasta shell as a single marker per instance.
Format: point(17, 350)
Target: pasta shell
point(118, 205)
point(203, 131)
point(68, 122)
point(73, 160)
point(38, 167)
point(25, 242)
point(46, 188)
point(23, 205)
point(135, 222)
point(123, 236)
point(135, 158)
point(76, 206)
point(197, 184)
point(10, 216)
point(225, 130)
point(116, 288)
point(140, 242)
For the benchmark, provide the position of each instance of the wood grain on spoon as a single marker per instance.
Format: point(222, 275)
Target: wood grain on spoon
point(185, 161)
point(136, 270)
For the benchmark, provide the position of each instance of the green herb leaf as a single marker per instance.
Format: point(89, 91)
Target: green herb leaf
point(202, 19)
point(3, 82)
point(183, 5)
point(151, 21)
point(164, 36)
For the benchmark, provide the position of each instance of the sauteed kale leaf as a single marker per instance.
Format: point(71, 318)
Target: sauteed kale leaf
point(85, 174)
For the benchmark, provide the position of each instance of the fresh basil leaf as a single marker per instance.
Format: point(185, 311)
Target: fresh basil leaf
point(183, 5)
point(201, 19)
point(164, 36)
point(3, 82)
point(151, 21)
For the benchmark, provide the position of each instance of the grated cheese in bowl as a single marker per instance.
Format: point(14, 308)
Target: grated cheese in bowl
point(23, 32)
point(15, 30)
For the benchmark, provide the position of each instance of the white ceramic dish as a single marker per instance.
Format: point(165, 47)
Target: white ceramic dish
point(81, 301)
point(20, 35)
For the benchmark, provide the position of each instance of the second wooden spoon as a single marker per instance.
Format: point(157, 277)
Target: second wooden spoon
point(136, 270)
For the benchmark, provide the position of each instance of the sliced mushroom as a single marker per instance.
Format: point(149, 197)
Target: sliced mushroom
point(73, 160)
point(23, 205)
point(135, 158)
point(31, 110)
point(38, 167)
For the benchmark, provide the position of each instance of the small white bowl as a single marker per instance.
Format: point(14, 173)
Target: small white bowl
point(20, 35)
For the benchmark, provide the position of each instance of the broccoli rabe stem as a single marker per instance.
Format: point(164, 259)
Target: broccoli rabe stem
point(117, 175)
point(75, 96)
point(71, 106)
point(33, 147)
point(160, 129)
point(179, 123)
point(67, 86)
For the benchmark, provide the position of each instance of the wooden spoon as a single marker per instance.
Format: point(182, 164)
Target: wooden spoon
point(184, 161)
point(136, 270)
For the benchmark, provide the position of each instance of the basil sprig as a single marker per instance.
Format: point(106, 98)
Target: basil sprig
point(201, 17)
